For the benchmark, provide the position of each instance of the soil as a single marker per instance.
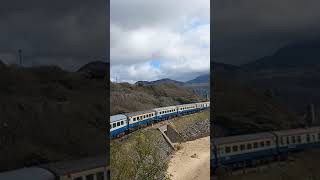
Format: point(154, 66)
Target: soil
point(191, 161)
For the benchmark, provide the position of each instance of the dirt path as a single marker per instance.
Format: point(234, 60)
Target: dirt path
point(192, 161)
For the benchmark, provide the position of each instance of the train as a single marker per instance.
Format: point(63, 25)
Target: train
point(92, 168)
point(235, 152)
point(121, 124)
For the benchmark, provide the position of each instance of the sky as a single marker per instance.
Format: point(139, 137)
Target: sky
point(151, 40)
point(59, 32)
point(245, 30)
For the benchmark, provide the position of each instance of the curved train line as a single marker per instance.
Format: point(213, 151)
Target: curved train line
point(121, 124)
point(235, 152)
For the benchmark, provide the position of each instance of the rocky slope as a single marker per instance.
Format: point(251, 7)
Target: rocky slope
point(128, 98)
point(47, 114)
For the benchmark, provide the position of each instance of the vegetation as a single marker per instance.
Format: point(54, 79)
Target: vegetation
point(127, 98)
point(241, 109)
point(139, 157)
point(47, 114)
point(184, 122)
point(303, 166)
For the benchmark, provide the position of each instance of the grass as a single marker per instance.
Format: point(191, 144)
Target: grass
point(182, 123)
point(304, 167)
point(138, 157)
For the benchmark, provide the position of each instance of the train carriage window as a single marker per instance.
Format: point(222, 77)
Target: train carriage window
point(114, 125)
point(281, 141)
point(242, 147)
point(90, 177)
point(268, 143)
point(235, 148)
point(100, 176)
point(121, 122)
point(118, 123)
point(262, 144)
point(313, 137)
point(299, 139)
point(77, 178)
point(308, 138)
point(249, 146)
point(255, 145)
point(293, 139)
point(288, 141)
point(318, 136)
point(228, 149)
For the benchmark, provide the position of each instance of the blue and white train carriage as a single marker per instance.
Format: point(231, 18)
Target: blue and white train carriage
point(238, 149)
point(121, 123)
point(118, 125)
point(298, 139)
point(166, 112)
point(187, 109)
point(141, 118)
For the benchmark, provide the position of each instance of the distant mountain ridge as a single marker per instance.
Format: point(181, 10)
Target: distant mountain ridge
point(222, 67)
point(2, 64)
point(95, 69)
point(296, 55)
point(160, 81)
point(200, 79)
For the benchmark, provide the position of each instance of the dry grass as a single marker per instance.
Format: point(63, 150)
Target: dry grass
point(181, 123)
point(305, 166)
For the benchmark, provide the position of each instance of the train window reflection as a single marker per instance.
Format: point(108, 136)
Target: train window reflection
point(235, 148)
point(228, 149)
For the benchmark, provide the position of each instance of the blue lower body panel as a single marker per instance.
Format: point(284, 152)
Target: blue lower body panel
point(166, 116)
point(247, 156)
point(188, 111)
point(115, 133)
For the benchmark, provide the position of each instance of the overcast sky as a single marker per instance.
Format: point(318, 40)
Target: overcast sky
point(64, 33)
point(151, 40)
point(245, 30)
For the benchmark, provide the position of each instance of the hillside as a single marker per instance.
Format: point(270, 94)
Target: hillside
point(241, 109)
point(295, 55)
point(127, 98)
point(47, 114)
point(160, 81)
point(200, 79)
point(96, 69)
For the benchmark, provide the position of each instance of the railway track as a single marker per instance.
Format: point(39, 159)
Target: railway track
point(153, 126)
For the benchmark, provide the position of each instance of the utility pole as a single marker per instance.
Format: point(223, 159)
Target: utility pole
point(20, 56)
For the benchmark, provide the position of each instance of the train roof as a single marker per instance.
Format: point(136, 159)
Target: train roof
point(117, 117)
point(62, 168)
point(296, 131)
point(34, 173)
point(139, 112)
point(163, 108)
point(181, 105)
point(241, 138)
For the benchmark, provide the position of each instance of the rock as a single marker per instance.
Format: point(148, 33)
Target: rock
point(194, 156)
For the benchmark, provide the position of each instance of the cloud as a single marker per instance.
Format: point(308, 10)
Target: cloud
point(175, 32)
point(249, 29)
point(63, 33)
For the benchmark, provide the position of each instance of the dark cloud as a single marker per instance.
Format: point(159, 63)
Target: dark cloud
point(248, 29)
point(66, 33)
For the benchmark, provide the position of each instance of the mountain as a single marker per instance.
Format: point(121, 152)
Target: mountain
point(200, 79)
point(160, 81)
point(2, 65)
point(48, 114)
point(300, 54)
point(96, 69)
point(222, 67)
point(127, 97)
